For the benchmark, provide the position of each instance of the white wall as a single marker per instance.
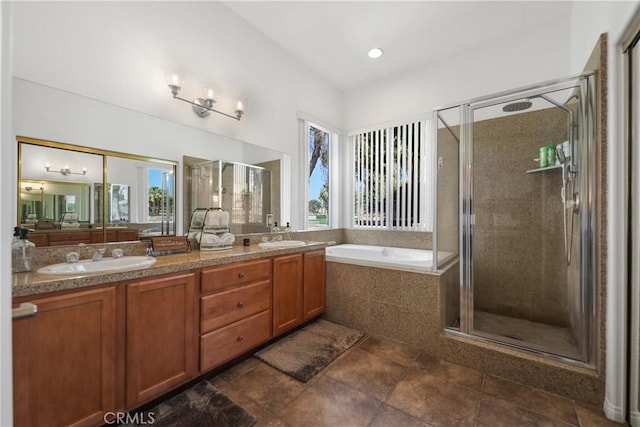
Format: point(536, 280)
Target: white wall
point(8, 171)
point(521, 60)
point(122, 53)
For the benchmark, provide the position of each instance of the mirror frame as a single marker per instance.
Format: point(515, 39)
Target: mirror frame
point(97, 151)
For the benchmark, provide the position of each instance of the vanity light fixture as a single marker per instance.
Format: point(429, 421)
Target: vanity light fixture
point(203, 106)
point(65, 170)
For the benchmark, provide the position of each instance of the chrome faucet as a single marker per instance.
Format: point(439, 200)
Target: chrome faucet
point(97, 256)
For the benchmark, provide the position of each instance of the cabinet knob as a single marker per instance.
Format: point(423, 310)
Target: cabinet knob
point(240, 304)
point(240, 338)
point(240, 275)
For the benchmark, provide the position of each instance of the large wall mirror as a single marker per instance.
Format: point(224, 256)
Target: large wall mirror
point(137, 192)
point(70, 194)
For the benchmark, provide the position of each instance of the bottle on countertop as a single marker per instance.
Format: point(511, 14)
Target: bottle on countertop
point(21, 251)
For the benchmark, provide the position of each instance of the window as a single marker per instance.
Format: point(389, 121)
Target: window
point(391, 177)
point(318, 184)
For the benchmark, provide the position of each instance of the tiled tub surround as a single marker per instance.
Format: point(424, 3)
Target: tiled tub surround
point(409, 306)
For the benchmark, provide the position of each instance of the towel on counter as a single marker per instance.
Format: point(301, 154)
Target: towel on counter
point(227, 238)
point(209, 239)
point(67, 224)
point(212, 218)
point(224, 218)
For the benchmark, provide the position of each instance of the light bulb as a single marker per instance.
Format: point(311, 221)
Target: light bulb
point(239, 106)
point(374, 53)
point(210, 94)
point(175, 80)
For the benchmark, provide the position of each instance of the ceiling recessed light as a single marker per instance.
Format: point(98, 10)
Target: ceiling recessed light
point(374, 53)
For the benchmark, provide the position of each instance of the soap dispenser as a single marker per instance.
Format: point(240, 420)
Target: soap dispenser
point(21, 251)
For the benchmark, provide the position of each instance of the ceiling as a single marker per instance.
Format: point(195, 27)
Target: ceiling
point(332, 37)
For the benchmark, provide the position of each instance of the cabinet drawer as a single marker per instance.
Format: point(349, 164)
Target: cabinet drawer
point(226, 307)
point(218, 278)
point(224, 344)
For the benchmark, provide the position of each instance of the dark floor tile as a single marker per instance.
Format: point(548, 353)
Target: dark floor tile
point(450, 372)
point(330, 403)
point(367, 372)
point(389, 416)
point(536, 400)
point(389, 349)
point(500, 413)
point(593, 417)
point(249, 405)
point(240, 369)
point(269, 387)
point(434, 400)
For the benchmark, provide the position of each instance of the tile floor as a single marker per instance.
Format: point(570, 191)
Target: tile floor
point(383, 383)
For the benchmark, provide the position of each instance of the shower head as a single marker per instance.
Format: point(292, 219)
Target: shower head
point(517, 106)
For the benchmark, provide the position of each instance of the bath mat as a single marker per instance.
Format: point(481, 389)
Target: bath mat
point(201, 405)
point(304, 353)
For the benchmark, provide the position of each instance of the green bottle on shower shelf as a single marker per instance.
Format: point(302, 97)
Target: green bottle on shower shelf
point(543, 156)
point(551, 155)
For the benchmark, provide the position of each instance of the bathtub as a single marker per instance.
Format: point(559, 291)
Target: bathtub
point(381, 256)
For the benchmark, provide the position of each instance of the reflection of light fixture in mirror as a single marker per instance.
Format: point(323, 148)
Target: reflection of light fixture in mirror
point(29, 187)
point(65, 170)
point(203, 106)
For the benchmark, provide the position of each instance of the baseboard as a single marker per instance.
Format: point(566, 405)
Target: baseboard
point(634, 418)
point(615, 413)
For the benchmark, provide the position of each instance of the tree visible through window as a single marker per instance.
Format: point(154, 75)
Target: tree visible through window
point(318, 195)
point(390, 177)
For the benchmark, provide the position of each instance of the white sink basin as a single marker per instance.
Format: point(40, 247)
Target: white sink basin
point(282, 244)
point(107, 264)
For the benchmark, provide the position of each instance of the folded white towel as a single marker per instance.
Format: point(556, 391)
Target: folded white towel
point(209, 239)
point(227, 238)
point(70, 217)
point(213, 218)
point(70, 225)
point(197, 219)
point(224, 218)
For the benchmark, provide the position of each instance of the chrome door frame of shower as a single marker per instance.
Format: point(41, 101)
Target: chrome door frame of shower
point(585, 83)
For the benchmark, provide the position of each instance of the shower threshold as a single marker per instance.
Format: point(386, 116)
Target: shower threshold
point(525, 333)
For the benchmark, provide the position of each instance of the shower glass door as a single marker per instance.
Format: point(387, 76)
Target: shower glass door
point(526, 163)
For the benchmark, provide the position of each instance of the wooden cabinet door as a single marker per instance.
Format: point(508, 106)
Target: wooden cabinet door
point(39, 239)
point(287, 292)
point(314, 284)
point(161, 336)
point(64, 360)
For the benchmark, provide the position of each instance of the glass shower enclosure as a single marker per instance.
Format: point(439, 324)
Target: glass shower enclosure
point(515, 178)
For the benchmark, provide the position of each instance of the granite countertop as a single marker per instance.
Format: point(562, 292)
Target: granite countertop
point(32, 283)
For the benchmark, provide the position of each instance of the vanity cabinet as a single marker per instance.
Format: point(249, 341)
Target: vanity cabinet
point(160, 336)
point(314, 284)
point(287, 292)
point(298, 289)
point(64, 365)
point(39, 239)
point(69, 238)
point(235, 310)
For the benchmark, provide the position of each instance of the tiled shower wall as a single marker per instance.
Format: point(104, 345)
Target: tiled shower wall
point(519, 261)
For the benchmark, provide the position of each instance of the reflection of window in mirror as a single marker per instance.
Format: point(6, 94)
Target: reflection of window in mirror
point(160, 197)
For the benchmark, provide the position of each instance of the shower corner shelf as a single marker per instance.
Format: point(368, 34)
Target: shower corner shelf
point(544, 169)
